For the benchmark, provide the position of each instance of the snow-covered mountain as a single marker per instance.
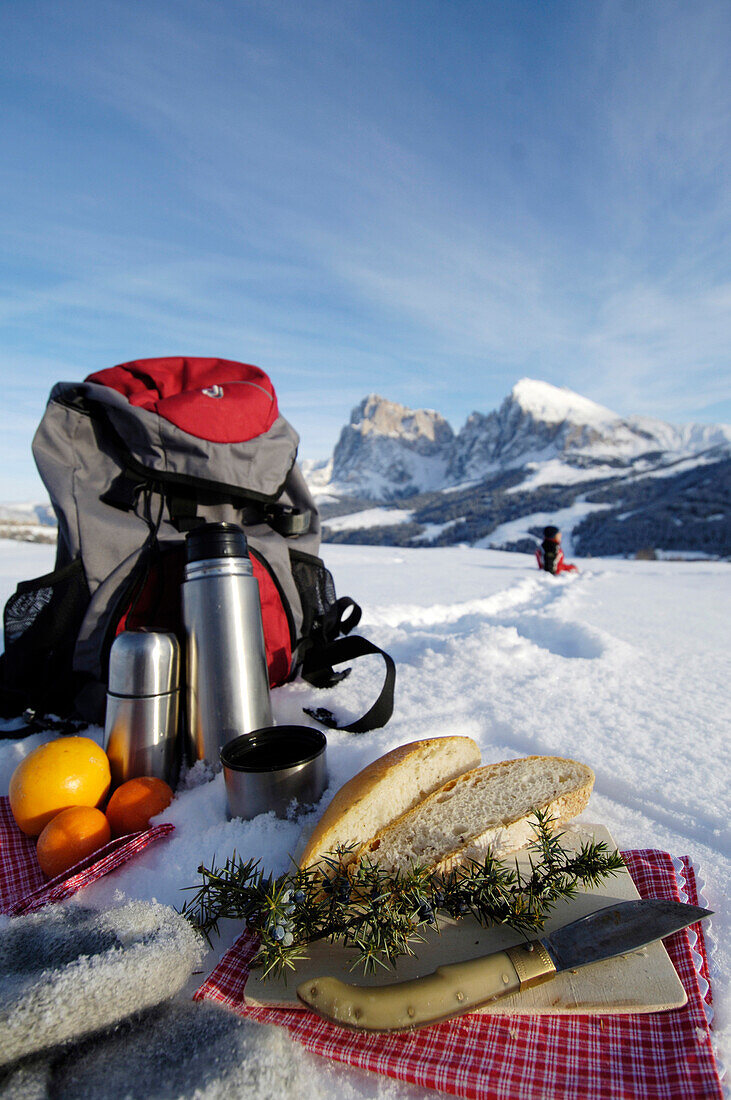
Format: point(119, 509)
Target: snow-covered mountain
point(389, 451)
point(539, 422)
point(28, 522)
point(42, 514)
point(616, 485)
point(546, 451)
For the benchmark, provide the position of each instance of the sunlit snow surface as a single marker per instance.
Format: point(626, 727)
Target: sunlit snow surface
point(625, 666)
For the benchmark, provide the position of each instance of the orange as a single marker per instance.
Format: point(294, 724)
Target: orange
point(70, 836)
point(70, 771)
point(135, 802)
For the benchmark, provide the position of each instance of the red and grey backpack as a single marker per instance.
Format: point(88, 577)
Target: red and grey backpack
point(133, 458)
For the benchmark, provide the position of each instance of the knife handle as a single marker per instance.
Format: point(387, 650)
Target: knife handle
point(449, 991)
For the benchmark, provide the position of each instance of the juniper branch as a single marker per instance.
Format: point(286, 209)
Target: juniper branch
point(382, 915)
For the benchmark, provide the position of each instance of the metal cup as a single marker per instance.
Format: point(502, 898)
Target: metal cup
point(266, 769)
point(141, 725)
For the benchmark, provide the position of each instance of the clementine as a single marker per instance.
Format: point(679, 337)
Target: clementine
point(72, 835)
point(70, 771)
point(135, 802)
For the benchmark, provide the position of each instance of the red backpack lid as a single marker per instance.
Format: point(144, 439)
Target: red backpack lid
point(215, 399)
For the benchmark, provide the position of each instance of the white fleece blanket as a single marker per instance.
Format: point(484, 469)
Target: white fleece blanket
point(87, 1009)
point(67, 971)
point(179, 1051)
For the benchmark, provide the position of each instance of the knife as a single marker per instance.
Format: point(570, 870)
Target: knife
point(460, 987)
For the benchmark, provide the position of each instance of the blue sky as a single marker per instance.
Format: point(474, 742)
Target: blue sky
point(428, 200)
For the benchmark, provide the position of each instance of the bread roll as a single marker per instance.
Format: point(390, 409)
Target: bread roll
point(386, 789)
point(486, 810)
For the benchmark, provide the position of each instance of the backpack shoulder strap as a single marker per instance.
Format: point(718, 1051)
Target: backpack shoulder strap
point(326, 649)
point(347, 649)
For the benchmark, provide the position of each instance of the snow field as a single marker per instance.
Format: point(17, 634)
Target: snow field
point(625, 667)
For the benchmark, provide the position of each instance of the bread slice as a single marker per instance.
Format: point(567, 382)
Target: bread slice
point(387, 788)
point(486, 810)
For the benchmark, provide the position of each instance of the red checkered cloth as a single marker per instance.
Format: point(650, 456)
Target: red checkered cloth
point(653, 1055)
point(23, 886)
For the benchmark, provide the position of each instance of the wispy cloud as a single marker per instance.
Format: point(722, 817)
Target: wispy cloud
point(361, 198)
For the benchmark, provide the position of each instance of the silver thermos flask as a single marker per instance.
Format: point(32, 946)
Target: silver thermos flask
point(227, 677)
point(141, 722)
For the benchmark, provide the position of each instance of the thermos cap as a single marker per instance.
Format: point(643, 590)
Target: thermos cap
point(216, 540)
point(143, 663)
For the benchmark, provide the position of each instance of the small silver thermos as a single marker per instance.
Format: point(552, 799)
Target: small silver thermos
point(227, 677)
point(141, 723)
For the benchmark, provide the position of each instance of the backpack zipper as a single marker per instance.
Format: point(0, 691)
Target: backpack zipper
point(82, 405)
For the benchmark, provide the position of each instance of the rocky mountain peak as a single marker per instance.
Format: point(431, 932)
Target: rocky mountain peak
point(421, 427)
point(388, 450)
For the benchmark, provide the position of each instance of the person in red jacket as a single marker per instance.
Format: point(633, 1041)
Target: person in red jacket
point(550, 555)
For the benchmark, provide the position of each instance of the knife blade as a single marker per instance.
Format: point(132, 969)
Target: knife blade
point(460, 987)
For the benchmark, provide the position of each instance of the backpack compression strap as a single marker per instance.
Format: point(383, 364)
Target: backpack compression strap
point(327, 650)
point(182, 502)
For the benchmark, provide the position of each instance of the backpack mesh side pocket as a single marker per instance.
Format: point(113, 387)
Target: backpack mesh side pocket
point(41, 621)
point(315, 586)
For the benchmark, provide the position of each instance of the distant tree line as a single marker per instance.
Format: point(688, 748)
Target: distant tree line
point(684, 512)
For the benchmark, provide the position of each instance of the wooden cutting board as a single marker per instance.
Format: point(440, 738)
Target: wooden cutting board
point(642, 981)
